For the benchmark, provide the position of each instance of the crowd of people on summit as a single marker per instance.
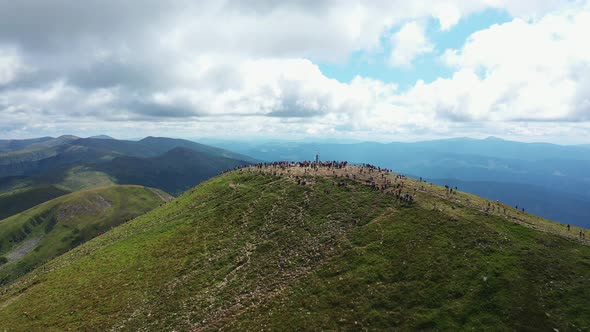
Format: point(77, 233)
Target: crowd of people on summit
point(373, 176)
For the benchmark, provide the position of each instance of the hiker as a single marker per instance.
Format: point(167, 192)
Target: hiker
point(580, 234)
point(568, 227)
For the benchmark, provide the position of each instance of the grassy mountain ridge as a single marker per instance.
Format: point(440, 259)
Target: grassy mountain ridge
point(68, 164)
point(45, 231)
point(247, 251)
point(68, 151)
point(552, 204)
point(11, 144)
point(174, 172)
point(19, 200)
point(74, 178)
point(550, 167)
point(37, 162)
point(34, 149)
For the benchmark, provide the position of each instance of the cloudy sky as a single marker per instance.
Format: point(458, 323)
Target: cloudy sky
point(373, 70)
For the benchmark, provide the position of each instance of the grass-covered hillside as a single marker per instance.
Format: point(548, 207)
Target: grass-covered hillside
point(43, 232)
point(20, 193)
point(174, 172)
point(259, 250)
point(19, 200)
point(71, 164)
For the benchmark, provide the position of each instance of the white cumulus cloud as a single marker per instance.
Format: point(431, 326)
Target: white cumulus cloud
point(11, 65)
point(409, 43)
point(251, 68)
point(524, 70)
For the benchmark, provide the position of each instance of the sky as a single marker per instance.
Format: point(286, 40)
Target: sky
point(381, 70)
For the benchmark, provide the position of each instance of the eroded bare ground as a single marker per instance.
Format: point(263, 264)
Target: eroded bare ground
point(94, 204)
point(162, 195)
point(24, 248)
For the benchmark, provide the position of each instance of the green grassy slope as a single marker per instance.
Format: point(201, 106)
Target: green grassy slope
point(18, 194)
point(20, 200)
point(12, 183)
point(73, 178)
point(22, 151)
point(252, 251)
point(34, 236)
point(174, 172)
point(20, 163)
point(73, 164)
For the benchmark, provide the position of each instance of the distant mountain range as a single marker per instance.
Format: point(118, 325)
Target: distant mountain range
point(541, 172)
point(30, 157)
point(35, 170)
point(551, 180)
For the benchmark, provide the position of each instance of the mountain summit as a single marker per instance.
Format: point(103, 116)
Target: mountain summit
point(295, 247)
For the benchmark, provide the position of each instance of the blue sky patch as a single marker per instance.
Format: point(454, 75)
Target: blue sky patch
point(427, 67)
